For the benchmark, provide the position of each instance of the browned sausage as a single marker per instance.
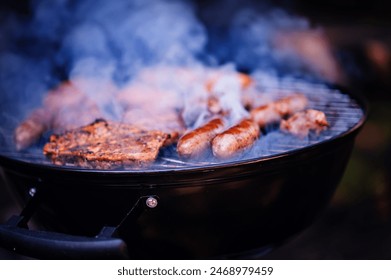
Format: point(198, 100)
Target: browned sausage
point(235, 139)
point(265, 114)
point(196, 142)
point(291, 104)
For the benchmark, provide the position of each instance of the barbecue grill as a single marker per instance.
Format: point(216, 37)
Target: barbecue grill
point(182, 209)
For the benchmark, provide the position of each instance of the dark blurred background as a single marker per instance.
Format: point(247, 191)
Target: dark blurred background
point(357, 223)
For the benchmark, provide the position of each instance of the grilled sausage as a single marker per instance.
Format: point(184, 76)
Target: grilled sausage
point(29, 131)
point(291, 104)
point(265, 114)
point(196, 142)
point(235, 139)
point(273, 112)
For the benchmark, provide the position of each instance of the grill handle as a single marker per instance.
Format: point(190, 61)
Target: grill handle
point(15, 235)
point(52, 245)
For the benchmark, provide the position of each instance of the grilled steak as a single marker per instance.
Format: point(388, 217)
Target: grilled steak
point(105, 145)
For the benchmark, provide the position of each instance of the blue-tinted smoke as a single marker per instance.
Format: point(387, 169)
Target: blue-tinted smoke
point(113, 40)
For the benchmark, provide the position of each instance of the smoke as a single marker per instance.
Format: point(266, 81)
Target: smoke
point(116, 43)
point(104, 40)
point(258, 33)
point(117, 39)
point(128, 36)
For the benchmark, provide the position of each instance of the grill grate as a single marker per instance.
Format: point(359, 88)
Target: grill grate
point(341, 110)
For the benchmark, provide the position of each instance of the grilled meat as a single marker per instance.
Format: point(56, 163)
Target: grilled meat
point(301, 123)
point(291, 104)
point(265, 115)
point(196, 142)
point(154, 111)
point(235, 139)
point(275, 111)
point(105, 145)
point(153, 95)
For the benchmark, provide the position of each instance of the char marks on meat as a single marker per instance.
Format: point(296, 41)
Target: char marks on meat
point(105, 145)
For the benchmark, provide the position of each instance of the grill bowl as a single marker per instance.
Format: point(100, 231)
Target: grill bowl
point(216, 211)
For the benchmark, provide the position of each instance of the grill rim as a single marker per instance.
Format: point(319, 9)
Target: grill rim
point(359, 98)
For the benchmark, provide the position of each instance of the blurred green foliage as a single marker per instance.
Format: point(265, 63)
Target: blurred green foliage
point(366, 173)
